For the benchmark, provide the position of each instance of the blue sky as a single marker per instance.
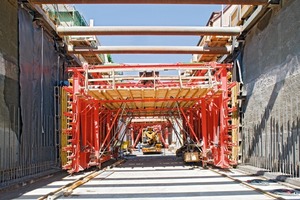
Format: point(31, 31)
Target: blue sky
point(148, 15)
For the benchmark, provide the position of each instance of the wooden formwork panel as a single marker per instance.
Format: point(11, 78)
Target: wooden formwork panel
point(147, 98)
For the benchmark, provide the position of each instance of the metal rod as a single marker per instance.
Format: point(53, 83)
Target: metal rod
point(151, 66)
point(114, 78)
point(148, 30)
point(149, 100)
point(151, 50)
point(241, 2)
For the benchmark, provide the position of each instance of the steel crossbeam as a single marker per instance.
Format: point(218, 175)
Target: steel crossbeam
point(147, 30)
point(241, 2)
point(150, 50)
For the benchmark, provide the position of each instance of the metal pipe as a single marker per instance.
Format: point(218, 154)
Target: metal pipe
point(240, 71)
point(150, 66)
point(241, 2)
point(148, 30)
point(151, 50)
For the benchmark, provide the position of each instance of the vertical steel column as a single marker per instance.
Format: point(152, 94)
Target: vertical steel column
point(210, 139)
point(223, 161)
point(215, 128)
point(132, 136)
point(198, 122)
point(166, 136)
point(204, 131)
point(75, 137)
point(84, 132)
point(96, 141)
point(235, 125)
point(74, 141)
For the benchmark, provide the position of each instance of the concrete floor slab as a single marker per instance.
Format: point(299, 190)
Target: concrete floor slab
point(161, 176)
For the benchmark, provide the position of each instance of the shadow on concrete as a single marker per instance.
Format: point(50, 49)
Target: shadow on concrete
point(42, 182)
point(17, 192)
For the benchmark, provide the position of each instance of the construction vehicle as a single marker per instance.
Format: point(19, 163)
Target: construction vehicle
point(151, 142)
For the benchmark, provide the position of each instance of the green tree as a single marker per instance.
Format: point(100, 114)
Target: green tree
point(109, 58)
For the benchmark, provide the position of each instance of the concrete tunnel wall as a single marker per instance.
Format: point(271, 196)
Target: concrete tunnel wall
point(9, 84)
point(271, 63)
point(30, 66)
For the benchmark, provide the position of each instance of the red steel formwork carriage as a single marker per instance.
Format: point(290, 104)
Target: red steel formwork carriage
point(106, 101)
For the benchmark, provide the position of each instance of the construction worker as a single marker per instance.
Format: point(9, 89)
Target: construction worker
point(139, 146)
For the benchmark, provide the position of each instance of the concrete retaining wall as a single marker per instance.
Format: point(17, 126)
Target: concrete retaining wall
point(271, 70)
point(9, 85)
point(30, 66)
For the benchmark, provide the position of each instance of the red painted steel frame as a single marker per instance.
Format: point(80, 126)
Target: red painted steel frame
point(95, 127)
point(90, 125)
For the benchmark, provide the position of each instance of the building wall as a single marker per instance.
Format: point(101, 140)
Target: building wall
point(271, 71)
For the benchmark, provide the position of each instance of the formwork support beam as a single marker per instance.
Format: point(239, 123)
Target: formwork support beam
point(96, 131)
point(241, 2)
point(222, 158)
point(150, 50)
point(204, 130)
point(147, 30)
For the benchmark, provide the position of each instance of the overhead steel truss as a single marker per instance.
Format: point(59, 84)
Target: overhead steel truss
point(104, 105)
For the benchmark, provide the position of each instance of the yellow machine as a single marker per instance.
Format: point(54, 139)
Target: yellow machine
point(151, 141)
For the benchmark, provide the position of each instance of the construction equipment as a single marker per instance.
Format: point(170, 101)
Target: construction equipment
point(199, 104)
point(151, 141)
point(190, 152)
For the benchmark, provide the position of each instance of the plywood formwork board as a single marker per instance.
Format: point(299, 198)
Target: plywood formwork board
point(87, 42)
point(146, 98)
point(213, 41)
